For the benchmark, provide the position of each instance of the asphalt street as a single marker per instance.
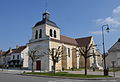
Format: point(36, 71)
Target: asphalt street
point(9, 77)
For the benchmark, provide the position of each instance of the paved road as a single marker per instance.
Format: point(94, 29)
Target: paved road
point(9, 77)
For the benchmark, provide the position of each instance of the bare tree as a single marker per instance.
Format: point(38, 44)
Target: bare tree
point(34, 54)
point(56, 54)
point(84, 51)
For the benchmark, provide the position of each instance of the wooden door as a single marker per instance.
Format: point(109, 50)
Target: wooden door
point(38, 65)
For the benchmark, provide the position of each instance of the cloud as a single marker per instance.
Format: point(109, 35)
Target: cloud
point(100, 32)
point(113, 20)
point(116, 10)
point(96, 32)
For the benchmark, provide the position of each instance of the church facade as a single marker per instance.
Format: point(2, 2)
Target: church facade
point(47, 34)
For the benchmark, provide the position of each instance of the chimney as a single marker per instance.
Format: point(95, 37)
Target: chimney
point(17, 46)
point(0, 50)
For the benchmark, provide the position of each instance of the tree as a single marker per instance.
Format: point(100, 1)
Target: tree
point(84, 51)
point(34, 54)
point(56, 54)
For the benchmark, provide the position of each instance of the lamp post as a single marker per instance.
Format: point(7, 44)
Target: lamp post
point(107, 29)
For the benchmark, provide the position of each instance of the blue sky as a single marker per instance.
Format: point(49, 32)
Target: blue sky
point(76, 18)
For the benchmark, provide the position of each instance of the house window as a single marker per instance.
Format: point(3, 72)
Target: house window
point(36, 34)
point(51, 32)
point(17, 56)
point(13, 57)
point(40, 34)
point(54, 33)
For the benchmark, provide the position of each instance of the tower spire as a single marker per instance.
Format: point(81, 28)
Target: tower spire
point(46, 4)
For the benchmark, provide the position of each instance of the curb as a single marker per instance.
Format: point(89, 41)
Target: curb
point(108, 78)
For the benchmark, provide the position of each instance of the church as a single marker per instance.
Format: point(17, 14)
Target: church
point(47, 34)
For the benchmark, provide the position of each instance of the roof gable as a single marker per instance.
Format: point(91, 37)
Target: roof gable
point(84, 41)
point(115, 47)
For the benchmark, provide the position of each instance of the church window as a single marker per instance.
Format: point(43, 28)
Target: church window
point(54, 33)
point(40, 34)
point(68, 52)
point(36, 34)
point(51, 32)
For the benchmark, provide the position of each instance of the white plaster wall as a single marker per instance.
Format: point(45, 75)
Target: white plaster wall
point(38, 28)
point(15, 56)
point(44, 48)
point(112, 56)
point(25, 57)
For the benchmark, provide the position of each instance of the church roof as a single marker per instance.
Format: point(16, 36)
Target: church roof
point(46, 21)
point(77, 42)
point(66, 39)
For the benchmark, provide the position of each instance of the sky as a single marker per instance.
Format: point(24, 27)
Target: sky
point(76, 18)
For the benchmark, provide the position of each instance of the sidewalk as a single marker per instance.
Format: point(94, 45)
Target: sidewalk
point(14, 71)
point(117, 74)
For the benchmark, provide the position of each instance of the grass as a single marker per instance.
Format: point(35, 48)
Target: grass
point(65, 74)
point(115, 69)
point(74, 69)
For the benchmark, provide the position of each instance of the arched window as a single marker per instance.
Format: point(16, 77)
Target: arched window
point(36, 34)
point(51, 32)
point(54, 33)
point(40, 33)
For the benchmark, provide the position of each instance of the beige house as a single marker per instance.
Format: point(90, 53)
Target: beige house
point(114, 55)
point(47, 34)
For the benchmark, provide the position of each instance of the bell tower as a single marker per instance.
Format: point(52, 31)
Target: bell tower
point(45, 29)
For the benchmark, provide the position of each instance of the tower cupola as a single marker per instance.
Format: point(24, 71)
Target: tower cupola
point(46, 15)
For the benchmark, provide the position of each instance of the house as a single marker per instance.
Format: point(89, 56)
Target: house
point(1, 57)
point(114, 55)
point(16, 57)
point(47, 35)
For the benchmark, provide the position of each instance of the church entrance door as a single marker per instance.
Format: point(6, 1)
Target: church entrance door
point(38, 65)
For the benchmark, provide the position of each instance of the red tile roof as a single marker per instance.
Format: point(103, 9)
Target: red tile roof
point(84, 41)
point(68, 40)
point(78, 42)
point(2, 53)
point(19, 49)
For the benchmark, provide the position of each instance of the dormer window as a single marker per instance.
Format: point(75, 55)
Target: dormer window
point(51, 32)
point(36, 34)
point(54, 33)
point(40, 33)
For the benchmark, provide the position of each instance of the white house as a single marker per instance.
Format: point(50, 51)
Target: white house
point(16, 57)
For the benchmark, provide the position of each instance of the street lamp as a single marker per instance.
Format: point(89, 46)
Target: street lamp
point(107, 29)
